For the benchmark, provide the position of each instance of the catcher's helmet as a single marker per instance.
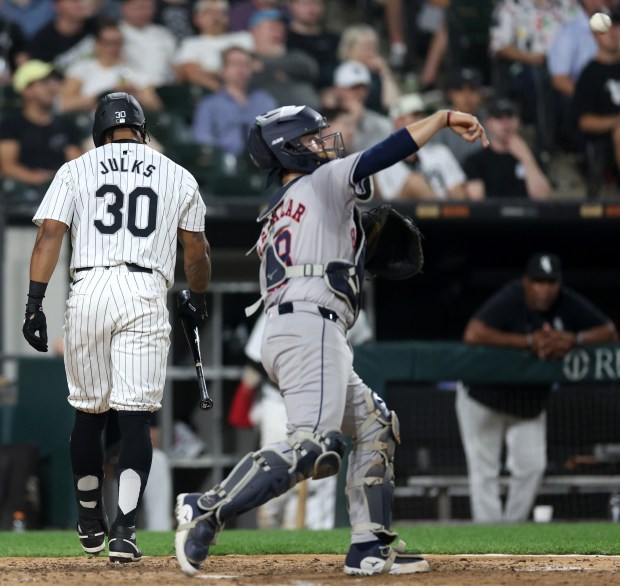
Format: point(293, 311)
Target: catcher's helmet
point(274, 140)
point(115, 110)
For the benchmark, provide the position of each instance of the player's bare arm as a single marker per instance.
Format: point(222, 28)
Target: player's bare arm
point(479, 333)
point(196, 259)
point(42, 264)
point(46, 250)
point(465, 125)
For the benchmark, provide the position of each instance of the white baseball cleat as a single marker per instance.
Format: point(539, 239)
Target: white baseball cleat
point(196, 531)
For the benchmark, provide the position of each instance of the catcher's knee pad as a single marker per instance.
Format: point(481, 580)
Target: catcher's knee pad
point(370, 478)
point(257, 478)
point(270, 472)
point(318, 455)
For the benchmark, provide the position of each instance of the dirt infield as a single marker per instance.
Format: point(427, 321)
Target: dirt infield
point(313, 570)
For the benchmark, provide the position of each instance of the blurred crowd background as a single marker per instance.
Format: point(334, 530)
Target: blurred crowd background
point(545, 86)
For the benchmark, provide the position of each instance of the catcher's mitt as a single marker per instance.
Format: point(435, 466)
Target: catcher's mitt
point(393, 244)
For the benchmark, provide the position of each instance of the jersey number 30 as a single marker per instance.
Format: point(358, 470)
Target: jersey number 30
point(115, 209)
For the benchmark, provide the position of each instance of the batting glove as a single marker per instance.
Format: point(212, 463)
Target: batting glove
point(194, 306)
point(35, 321)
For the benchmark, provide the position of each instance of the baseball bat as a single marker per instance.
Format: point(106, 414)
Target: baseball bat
point(194, 345)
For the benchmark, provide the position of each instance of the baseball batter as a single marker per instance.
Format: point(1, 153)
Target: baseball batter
point(125, 205)
point(312, 266)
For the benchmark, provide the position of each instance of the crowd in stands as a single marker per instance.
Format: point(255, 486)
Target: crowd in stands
point(545, 86)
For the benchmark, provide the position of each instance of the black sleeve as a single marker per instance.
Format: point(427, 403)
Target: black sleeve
point(498, 311)
point(10, 128)
point(583, 313)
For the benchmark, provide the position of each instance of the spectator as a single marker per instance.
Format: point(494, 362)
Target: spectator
point(536, 313)
point(469, 22)
point(464, 91)
point(361, 43)
point(149, 48)
point(106, 72)
point(176, 16)
point(35, 143)
point(288, 76)
point(199, 58)
point(242, 11)
point(597, 107)
point(508, 167)
point(29, 15)
point(573, 48)
point(68, 38)
point(306, 33)
point(352, 85)
point(521, 35)
point(224, 119)
point(431, 173)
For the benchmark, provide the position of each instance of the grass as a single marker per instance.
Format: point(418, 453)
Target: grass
point(554, 538)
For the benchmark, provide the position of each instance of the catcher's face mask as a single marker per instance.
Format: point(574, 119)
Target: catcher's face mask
point(330, 146)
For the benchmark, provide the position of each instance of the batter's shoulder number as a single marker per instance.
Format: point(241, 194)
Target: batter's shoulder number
point(115, 209)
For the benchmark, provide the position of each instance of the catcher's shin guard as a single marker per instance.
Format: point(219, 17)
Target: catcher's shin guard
point(271, 471)
point(370, 475)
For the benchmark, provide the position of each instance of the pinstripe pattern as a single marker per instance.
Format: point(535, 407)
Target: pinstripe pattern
point(71, 199)
point(123, 203)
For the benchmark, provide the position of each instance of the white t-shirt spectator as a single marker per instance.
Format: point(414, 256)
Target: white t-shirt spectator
point(149, 50)
point(97, 79)
point(438, 166)
point(206, 50)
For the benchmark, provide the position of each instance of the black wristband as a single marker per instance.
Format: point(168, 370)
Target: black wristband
point(36, 292)
point(199, 299)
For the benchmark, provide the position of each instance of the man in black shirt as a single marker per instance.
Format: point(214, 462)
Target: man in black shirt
point(536, 313)
point(306, 33)
point(35, 143)
point(508, 168)
point(68, 38)
point(596, 104)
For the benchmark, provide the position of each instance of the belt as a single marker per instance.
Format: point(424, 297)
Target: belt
point(325, 313)
point(132, 268)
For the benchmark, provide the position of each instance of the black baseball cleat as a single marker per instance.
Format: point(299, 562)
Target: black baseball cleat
point(122, 545)
point(196, 531)
point(92, 533)
point(374, 557)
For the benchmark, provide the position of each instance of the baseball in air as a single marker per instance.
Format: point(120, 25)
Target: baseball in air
point(600, 22)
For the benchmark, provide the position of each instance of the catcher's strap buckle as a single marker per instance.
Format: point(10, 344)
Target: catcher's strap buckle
point(305, 270)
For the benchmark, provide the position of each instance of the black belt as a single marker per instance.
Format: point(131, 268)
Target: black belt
point(132, 268)
point(326, 313)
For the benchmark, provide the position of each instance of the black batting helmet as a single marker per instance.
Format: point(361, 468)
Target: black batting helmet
point(274, 140)
point(116, 110)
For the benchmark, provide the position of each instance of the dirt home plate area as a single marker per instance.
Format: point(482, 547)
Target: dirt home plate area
point(313, 570)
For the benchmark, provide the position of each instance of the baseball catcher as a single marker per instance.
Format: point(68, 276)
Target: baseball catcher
point(312, 249)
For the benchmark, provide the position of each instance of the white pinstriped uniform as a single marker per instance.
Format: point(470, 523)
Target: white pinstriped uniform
point(123, 203)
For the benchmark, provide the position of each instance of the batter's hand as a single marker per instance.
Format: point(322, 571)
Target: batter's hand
point(35, 321)
point(466, 126)
point(194, 306)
